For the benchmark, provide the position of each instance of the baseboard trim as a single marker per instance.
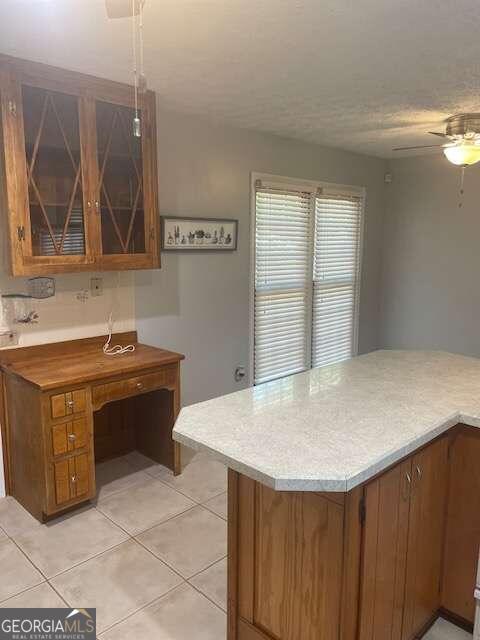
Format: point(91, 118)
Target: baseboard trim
point(456, 619)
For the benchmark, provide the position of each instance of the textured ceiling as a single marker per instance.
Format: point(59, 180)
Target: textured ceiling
point(365, 76)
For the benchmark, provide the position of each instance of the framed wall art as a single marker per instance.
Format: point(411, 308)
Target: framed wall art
point(199, 234)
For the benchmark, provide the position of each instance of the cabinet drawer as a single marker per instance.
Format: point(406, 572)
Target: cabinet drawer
point(72, 478)
point(64, 404)
point(69, 436)
point(132, 386)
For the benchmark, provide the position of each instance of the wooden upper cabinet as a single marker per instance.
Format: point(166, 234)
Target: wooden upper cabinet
point(81, 188)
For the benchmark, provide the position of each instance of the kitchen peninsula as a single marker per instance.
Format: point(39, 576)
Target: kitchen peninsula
point(354, 497)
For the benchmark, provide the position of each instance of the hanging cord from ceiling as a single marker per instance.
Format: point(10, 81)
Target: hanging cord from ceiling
point(137, 129)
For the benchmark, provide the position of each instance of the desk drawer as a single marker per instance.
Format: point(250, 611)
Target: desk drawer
point(69, 436)
point(72, 479)
point(64, 404)
point(128, 387)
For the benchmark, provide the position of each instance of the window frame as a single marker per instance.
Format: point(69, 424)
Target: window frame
point(313, 187)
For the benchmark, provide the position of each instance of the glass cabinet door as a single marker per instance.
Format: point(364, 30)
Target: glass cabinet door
point(54, 167)
point(120, 181)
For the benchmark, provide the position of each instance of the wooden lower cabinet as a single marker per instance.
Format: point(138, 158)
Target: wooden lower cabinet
point(403, 546)
point(380, 562)
point(290, 561)
point(385, 541)
point(463, 524)
point(426, 537)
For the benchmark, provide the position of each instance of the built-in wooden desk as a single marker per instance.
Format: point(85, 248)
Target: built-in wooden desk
point(67, 405)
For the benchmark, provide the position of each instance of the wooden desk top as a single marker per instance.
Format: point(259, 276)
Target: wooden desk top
point(67, 363)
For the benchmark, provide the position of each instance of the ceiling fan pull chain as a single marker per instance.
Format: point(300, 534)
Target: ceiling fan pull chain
point(462, 180)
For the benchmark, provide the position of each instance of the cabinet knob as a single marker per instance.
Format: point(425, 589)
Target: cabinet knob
point(70, 404)
point(139, 385)
point(74, 479)
point(97, 206)
point(72, 437)
point(419, 472)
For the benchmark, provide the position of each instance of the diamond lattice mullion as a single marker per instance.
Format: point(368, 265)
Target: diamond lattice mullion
point(114, 221)
point(132, 218)
point(103, 188)
point(39, 135)
point(45, 215)
point(76, 167)
point(130, 149)
point(64, 135)
point(139, 180)
point(107, 148)
point(70, 208)
point(31, 167)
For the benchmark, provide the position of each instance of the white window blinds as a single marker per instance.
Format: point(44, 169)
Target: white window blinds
point(307, 244)
point(282, 282)
point(335, 278)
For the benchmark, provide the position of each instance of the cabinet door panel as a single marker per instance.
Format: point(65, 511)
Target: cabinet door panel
point(121, 181)
point(426, 535)
point(63, 473)
point(463, 524)
point(81, 476)
point(385, 554)
point(297, 565)
point(55, 230)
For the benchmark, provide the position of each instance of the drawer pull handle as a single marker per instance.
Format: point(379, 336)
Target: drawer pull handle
point(74, 479)
point(419, 472)
point(139, 385)
point(72, 437)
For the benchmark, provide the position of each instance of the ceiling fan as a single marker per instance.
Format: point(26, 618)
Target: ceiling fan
point(462, 135)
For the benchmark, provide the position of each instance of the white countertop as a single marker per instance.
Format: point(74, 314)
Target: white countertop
point(330, 429)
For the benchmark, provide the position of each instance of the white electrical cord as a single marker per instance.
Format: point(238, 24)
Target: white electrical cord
point(116, 350)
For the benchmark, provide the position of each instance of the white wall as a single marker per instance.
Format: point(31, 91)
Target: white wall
point(431, 262)
point(199, 304)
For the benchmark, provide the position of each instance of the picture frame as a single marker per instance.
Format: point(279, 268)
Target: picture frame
point(199, 234)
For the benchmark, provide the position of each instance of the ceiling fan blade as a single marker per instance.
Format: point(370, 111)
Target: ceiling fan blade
point(437, 133)
point(122, 8)
point(422, 146)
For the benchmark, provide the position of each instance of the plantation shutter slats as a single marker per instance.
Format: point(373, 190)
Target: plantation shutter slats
point(282, 281)
point(307, 255)
point(335, 278)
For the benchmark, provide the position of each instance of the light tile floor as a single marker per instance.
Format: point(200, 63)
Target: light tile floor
point(150, 554)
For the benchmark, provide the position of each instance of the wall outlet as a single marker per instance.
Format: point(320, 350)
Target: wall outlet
point(96, 286)
point(8, 338)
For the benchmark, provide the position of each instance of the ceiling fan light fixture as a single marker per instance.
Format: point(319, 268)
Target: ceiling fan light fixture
point(463, 154)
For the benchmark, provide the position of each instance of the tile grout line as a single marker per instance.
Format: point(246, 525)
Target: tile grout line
point(207, 597)
point(59, 594)
point(107, 629)
point(206, 568)
point(19, 593)
point(133, 535)
point(78, 564)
